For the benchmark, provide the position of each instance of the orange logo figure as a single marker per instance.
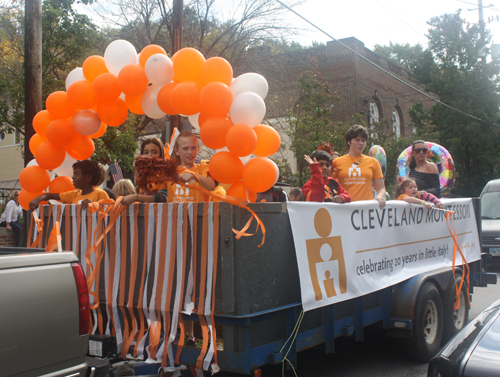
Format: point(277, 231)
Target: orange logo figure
point(322, 253)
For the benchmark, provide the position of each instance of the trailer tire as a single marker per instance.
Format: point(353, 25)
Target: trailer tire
point(455, 320)
point(428, 324)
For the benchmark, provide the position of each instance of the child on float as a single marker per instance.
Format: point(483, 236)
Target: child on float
point(124, 187)
point(407, 191)
point(321, 187)
point(152, 147)
point(186, 150)
point(296, 195)
point(86, 176)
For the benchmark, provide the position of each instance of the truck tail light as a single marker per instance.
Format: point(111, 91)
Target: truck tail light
point(83, 298)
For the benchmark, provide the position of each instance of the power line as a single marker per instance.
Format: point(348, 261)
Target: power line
point(383, 70)
point(400, 19)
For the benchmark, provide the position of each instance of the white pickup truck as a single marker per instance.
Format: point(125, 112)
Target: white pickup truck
point(44, 314)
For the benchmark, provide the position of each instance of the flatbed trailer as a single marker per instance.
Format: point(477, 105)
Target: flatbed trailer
point(257, 289)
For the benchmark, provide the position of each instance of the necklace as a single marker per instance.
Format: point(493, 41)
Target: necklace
point(354, 162)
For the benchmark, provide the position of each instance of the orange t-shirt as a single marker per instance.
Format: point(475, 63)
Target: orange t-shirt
point(356, 175)
point(75, 196)
point(178, 193)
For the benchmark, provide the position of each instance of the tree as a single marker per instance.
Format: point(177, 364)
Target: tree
point(213, 29)
point(307, 125)
point(466, 83)
point(118, 144)
point(68, 38)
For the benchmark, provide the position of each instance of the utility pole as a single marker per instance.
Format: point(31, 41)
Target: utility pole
point(481, 27)
point(32, 70)
point(177, 16)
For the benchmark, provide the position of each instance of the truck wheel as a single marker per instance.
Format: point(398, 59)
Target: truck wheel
point(455, 320)
point(428, 324)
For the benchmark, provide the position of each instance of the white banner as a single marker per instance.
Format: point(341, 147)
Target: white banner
point(348, 250)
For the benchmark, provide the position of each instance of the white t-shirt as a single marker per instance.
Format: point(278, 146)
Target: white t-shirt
point(12, 212)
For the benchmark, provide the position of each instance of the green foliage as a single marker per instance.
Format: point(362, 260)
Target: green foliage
point(309, 125)
point(68, 38)
point(117, 145)
point(414, 59)
point(463, 81)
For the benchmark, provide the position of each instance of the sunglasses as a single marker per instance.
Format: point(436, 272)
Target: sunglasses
point(420, 150)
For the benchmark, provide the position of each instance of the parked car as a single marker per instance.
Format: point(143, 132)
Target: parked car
point(474, 351)
point(44, 314)
point(490, 216)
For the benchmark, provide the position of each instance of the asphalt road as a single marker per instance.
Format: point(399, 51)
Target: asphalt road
point(377, 355)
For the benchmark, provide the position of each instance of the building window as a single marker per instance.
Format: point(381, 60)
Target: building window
point(2, 135)
point(396, 123)
point(373, 119)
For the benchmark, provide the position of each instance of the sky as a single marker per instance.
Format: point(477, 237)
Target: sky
point(383, 21)
point(376, 21)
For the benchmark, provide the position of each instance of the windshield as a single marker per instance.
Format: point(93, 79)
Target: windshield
point(490, 205)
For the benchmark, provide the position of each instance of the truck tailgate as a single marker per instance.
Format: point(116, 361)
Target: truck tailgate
point(39, 326)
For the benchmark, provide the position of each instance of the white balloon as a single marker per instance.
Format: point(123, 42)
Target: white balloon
point(149, 103)
point(66, 168)
point(32, 163)
point(193, 119)
point(118, 54)
point(74, 75)
point(159, 69)
point(277, 171)
point(86, 122)
point(245, 159)
point(250, 82)
point(247, 108)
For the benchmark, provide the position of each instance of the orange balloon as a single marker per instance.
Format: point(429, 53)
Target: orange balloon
point(214, 130)
point(259, 174)
point(49, 157)
point(132, 80)
point(149, 51)
point(61, 184)
point(187, 64)
point(61, 132)
point(225, 167)
point(216, 69)
point(238, 190)
point(93, 66)
point(25, 197)
point(185, 98)
point(34, 178)
point(241, 140)
point(202, 118)
point(35, 141)
point(58, 105)
point(81, 148)
point(40, 122)
point(268, 140)
point(99, 133)
point(163, 99)
point(106, 87)
point(216, 99)
point(134, 104)
point(81, 95)
point(113, 113)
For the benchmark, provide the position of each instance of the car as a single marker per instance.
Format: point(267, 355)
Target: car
point(474, 351)
point(490, 218)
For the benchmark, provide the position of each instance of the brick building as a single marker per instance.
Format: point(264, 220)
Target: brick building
point(360, 87)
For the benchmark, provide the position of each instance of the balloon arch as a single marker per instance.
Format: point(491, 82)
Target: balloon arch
point(101, 93)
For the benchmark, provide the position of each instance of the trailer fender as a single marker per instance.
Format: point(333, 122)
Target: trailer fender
point(405, 294)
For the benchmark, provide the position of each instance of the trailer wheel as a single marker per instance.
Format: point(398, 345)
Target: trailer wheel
point(455, 320)
point(428, 324)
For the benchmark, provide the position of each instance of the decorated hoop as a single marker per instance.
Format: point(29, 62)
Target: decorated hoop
point(378, 153)
point(438, 155)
